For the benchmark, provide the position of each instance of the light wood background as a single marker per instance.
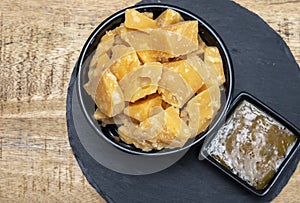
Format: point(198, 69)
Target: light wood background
point(40, 42)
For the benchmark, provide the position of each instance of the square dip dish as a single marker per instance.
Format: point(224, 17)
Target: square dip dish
point(253, 146)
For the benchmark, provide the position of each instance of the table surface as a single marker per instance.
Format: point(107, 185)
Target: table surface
point(40, 42)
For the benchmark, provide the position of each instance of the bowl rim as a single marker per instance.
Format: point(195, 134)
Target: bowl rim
point(204, 24)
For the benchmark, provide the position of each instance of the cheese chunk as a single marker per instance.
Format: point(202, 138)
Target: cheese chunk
point(95, 73)
point(118, 119)
point(141, 82)
point(125, 133)
point(163, 130)
point(213, 57)
point(143, 109)
point(102, 48)
point(109, 96)
point(123, 61)
point(207, 72)
point(168, 17)
point(162, 40)
point(185, 29)
point(201, 109)
point(137, 20)
point(187, 72)
point(175, 132)
point(173, 88)
point(153, 56)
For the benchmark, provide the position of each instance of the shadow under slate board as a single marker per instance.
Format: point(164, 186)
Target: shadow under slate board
point(263, 66)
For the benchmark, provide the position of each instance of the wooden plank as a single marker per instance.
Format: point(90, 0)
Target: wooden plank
point(40, 42)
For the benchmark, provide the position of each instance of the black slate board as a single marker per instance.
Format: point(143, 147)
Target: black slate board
point(263, 66)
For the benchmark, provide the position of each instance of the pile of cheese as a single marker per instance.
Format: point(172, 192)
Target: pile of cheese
point(156, 79)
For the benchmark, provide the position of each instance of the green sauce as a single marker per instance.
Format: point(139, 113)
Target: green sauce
point(252, 145)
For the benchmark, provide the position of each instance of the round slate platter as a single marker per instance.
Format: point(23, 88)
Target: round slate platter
point(263, 66)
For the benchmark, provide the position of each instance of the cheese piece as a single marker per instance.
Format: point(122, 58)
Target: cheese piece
point(153, 56)
point(140, 134)
point(163, 130)
point(137, 20)
point(185, 29)
point(212, 57)
point(122, 29)
point(102, 48)
point(187, 72)
point(162, 40)
point(207, 72)
point(141, 82)
point(175, 132)
point(109, 35)
point(125, 133)
point(201, 109)
point(108, 95)
point(168, 17)
point(148, 14)
point(143, 109)
point(174, 89)
point(119, 119)
point(123, 61)
point(98, 115)
point(95, 73)
point(100, 66)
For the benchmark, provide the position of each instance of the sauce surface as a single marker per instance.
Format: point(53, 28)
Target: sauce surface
point(252, 145)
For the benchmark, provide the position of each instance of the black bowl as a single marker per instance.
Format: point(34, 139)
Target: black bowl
point(108, 133)
point(244, 96)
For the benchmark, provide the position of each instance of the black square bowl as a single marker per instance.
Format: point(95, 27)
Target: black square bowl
point(270, 113)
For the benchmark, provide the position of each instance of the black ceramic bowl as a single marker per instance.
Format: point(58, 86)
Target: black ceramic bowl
point(209, 36)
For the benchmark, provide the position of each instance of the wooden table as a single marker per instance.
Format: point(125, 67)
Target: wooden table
point(40, 42)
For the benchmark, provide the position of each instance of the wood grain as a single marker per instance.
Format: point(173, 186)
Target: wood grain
point(40, 42)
